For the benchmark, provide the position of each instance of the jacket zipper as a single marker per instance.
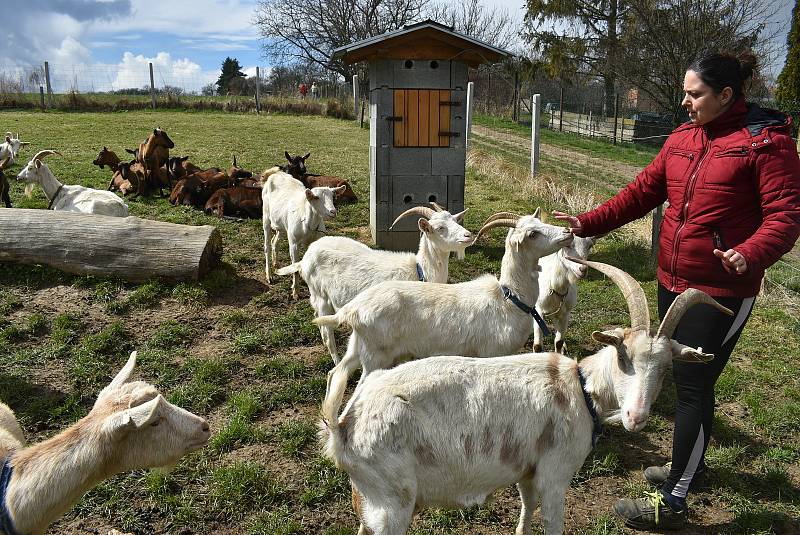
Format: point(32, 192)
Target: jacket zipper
point(685, 212)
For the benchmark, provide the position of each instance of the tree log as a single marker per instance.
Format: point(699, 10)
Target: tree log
point(127, 247)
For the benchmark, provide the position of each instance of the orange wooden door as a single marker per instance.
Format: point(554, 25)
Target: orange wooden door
point(420, 117)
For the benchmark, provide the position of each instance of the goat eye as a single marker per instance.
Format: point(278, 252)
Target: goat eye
point(155, 424)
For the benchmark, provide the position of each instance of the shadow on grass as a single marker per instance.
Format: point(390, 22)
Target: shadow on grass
point(36, 405)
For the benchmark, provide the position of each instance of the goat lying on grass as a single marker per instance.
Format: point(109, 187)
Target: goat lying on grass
point(69, 198)
point(131, 426)
point(336, 269)
point(450, 431)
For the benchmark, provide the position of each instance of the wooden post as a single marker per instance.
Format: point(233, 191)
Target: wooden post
point(658, 215)
point(363, 103)
point(47, 82)
point(536, 106)
point(258, 83)
point(616, 111)
point(589, 130)
point(355, 96)
point(622, 131)
point(561, 109)
point(152, 88)
point(516, 111)
point(127, 247)
point(470, 95)
point(41, 96)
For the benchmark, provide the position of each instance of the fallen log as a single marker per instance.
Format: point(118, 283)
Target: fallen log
point(131, 248)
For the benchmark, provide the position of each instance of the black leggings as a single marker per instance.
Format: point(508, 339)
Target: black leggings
point(717, 333)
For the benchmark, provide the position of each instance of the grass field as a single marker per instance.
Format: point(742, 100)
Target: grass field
point(244, 355)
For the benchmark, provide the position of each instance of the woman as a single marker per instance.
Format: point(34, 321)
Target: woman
point(732, 178)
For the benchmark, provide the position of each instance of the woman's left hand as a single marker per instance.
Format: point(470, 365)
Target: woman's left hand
point(732, 260)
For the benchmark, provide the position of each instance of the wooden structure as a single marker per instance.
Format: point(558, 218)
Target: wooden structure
point(417, 95)
point(126, 247)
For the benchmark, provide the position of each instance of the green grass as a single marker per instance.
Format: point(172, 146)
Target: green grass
point(245, 356)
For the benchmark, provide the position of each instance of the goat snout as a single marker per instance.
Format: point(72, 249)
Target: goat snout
point(635, 420)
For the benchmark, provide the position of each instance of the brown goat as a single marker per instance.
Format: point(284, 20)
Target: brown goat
point(153, 153)
point(347, 195)
point(195, 189)
point(244, 201)
point(107, 157)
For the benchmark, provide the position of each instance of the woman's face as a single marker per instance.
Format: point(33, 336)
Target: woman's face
point(701, 101)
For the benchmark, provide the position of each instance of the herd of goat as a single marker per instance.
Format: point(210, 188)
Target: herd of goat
point(417, 432)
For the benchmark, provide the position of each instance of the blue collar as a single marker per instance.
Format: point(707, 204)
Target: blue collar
point(420, 274)
point(6, 526)
point(597, 427)
point(508, 294)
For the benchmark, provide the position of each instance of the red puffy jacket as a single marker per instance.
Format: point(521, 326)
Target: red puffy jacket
point(733, 183)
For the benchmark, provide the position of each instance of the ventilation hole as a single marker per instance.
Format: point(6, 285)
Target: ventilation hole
point(434, 64)
point(409, 64)
point(407, 199)
point(431, 198)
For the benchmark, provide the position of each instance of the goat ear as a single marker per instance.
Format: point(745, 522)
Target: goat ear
point(122, 376)
point(24, 143)
point(538, 213)
point(339, 189)
point(146, 413)
point(424, 226)
point(38, 163)
point(8, 139)
point(306, 156)
point(310, 195)
point(685, 353)
point(611, 338)
point(286, 153)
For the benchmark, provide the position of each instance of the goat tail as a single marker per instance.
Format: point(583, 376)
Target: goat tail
point(334, 320)
point(329, 437)
point(288, 270)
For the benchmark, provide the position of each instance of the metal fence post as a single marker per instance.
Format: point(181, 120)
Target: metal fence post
point(470, 95)
point(258, 82)
point(355, 96)
point(537, 103)
point(41, 96)
point(47, 82)
point(561, 109)
point(152, 87)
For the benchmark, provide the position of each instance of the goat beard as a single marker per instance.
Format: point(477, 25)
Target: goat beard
point(29, 189)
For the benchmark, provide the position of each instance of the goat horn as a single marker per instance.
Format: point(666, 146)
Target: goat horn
point(631, 290)
point(509, 223)
point(422, 211)
point(682, 303)
point(438, 207)
point(42, 153)
point(502, 215)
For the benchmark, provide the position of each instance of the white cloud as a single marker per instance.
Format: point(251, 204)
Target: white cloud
point(134, 71)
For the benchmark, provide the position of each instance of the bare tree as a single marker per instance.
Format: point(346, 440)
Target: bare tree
point(492, 25)
point(308, 31)
point(662, 38)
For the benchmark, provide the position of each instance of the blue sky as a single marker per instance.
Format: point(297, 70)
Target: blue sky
point(107, 44)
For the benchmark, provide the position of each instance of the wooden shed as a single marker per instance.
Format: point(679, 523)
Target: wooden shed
point(418, 106)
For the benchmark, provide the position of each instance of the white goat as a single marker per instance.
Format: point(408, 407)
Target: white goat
point(299, 212)
point(131, 426)
point(69, 198)
point(10, 147)
point(401, 319)
point(558, 289)
point(449, 431)
point(337, 269)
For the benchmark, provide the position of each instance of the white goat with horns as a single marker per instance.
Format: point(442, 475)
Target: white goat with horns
point(450, 431)
point(131, 426)
point(68, 198)
point(10, 147)
point(336, 269)
point(485, 317)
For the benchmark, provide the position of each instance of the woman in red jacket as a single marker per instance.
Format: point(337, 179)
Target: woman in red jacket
point(732, 178)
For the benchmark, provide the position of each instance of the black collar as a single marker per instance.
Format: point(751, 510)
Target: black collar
point(597, 427)
point(509, 295)
point(54, 196)
point(420, 273)
point(6, 525)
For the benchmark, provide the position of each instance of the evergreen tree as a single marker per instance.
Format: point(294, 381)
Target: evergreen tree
point(788, 91)
point(230, 70)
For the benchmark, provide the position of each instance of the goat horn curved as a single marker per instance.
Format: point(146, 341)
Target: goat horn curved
point(508, 223)
point(631, 290)
point(438, 207)
point(42, 153)
point(682, 303)
point(502, 215)
point(422, 211)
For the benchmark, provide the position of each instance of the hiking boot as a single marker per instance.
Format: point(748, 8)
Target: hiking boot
point(650, 513)
point(656, 475)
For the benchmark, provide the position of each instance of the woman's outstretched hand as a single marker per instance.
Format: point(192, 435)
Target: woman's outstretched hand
point(574, 223)
point(732, 260)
